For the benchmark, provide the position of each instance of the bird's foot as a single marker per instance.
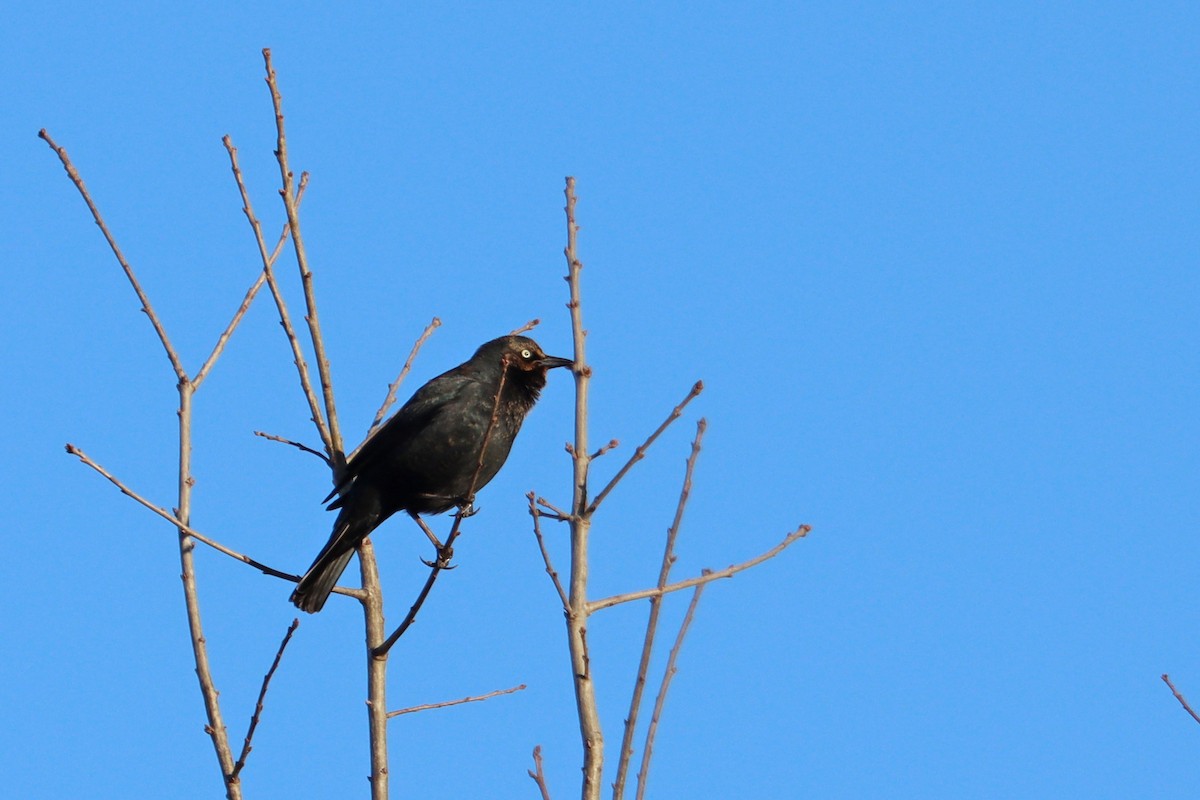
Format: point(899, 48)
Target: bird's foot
point(444, 555)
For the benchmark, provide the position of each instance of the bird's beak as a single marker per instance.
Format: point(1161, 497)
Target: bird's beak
point(550, 362)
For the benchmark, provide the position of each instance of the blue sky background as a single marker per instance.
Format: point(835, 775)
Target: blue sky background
point(936, 264)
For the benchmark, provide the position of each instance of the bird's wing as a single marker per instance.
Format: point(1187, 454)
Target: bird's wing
point(420, 410)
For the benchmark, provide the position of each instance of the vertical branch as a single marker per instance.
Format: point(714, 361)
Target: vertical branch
point(668, 673)
point(377, 716)
point(590, 729)
point(212, 707)
point(285, 320)
point(288, 192)
point(372, 590)
point(664, 572)
point(187, 387)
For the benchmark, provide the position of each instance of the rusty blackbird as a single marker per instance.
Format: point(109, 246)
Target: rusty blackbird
point(424, 459)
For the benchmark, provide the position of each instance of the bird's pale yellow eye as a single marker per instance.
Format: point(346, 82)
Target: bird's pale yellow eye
point(526, 354)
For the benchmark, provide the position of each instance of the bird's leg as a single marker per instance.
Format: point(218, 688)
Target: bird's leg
point(432, 536)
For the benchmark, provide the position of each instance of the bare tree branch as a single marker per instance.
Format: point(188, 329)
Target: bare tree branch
point(460, 701)
point(668, 560)
point(288, 193)
point(373, 623)
point(612, 443)
point(537, 531)
point(556, 513)
point(707, 577)
point(434, 324)
point(285, 319)
point(1182, 701)
point(262, 696)
point(75, 177)
point(223, 339)
point(297, 445)
point(590, 730)
point(640, 453)
point(192, 532)
point(526, 328)
point(538, 775)
point(668, 674)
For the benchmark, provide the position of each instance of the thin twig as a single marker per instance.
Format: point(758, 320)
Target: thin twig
point(538, 774)
point(252, 292)
point(192, 532)
point(334, 443)
point(526, 328)
point(537, 531)
point(612, 443)
point(1182, 701)
point(555, 512)
point(668, 674)
point(75, 177)
point(640, 452)
point(297, 445)
point(262, 696)
point(392, 387)
point(446, 551)
point(285, 319)
point(459, 702)
point(668, 560)
point(707, 577)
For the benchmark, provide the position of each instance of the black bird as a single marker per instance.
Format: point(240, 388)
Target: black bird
point(424, 458)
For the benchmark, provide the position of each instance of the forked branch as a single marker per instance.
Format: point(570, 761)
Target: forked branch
point(707, 577)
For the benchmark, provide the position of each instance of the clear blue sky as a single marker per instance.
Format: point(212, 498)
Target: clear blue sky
point(936, 264)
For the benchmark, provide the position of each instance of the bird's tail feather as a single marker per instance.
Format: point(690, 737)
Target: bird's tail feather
point(317, 584)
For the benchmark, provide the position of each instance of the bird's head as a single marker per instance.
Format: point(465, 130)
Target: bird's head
point(522, 356)
point(525, 355)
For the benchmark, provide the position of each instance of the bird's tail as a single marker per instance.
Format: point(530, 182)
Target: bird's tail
point(317, 584)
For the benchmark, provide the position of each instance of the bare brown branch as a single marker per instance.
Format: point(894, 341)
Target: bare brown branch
point(147, 308)
point(590, 730)
point(612, 443)
point(297, 445)
point(262, 696)
point(708, 577)
point(668, 560)
point(640, 453)
point(459, 702)
point(526, 328)
point(537, 531)
point(555, 512)
point(538, 774)
point(373, 623)
point(285, 318)
point(668, 674)
point(1182, 700)
point(223, 339)
point(288, 193)
point(434, 324)
point(192, 532)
